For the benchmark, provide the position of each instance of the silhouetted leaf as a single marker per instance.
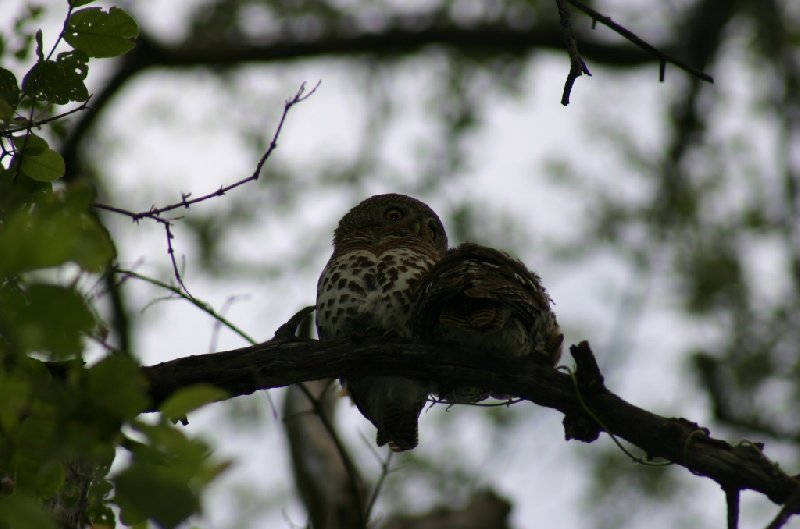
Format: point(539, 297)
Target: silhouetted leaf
point(101, 34)
point(9, 90)
point(22, 511)
point(153, 492)
point(59, 81)
point(190, 398)
point(45, 317)
point(60, 229)
point(116, 385)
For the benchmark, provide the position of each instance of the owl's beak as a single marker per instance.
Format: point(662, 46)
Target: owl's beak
point(400, 228)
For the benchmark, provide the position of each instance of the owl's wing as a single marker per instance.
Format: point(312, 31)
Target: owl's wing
point(483, 289)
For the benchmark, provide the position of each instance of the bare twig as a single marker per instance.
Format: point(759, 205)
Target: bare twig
point(662, 57)
point(38, 123)
point(350, 468)
point(790, 508)
point(379, 485)
point(218, 324)
point(577, 66)
point(186, 202)
point(155, 213)
point(202, 305)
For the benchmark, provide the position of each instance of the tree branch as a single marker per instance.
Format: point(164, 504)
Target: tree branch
point(663, 58)
point(400, 37)
point(577, 66)
point(281, 362)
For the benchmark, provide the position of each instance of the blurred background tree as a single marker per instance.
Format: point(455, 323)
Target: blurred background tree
point(663, 217)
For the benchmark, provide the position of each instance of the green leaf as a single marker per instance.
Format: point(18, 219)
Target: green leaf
point(15, 393)
point(22, 511)
point(6, 111)
point(45, 317)
point(9, 90)
point(59, 81)
point(189, 399)
point(42, 476)
point(17, 193)
point(78, 3)
point(45, 167)
point(30, 144)
point(101, 34)
point(151, 491)
point(168, 445)
point(116, 386)
point(60, 228)
point(39, 161)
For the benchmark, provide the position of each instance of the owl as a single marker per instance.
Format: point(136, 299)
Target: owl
point(381, 249)
point(485, 299)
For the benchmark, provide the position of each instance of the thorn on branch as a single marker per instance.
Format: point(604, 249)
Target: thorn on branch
point(171, 252)
point(590, 379)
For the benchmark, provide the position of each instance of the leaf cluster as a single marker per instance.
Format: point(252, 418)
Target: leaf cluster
point(59, 434)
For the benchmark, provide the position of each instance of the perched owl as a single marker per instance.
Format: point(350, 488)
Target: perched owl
point(485, 299)
point(381, 249)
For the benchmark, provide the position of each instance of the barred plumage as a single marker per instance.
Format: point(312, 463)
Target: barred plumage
point(485, 299)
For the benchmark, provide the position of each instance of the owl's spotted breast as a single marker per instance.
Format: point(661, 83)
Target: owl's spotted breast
point(360, 292)
point(381, 249)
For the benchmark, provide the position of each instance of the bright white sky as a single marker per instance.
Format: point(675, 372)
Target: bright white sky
point(169, 134)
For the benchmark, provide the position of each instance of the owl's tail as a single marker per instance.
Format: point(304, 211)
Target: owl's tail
point(399, 428)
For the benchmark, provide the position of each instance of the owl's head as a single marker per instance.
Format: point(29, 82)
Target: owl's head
point(392, 219)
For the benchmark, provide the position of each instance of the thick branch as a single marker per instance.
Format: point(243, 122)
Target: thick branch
point(283, 362)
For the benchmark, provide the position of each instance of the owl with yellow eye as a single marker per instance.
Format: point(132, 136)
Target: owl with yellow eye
point(381, 249)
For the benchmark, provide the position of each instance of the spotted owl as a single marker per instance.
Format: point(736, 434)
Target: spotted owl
point(381, 249)
point(485, 299)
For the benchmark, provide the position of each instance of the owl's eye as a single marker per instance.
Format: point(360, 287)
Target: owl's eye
point(394, 214)
point(433, 229)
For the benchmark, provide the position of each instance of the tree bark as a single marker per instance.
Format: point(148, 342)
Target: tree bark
point(583, 400)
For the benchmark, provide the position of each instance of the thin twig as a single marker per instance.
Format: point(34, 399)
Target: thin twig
point(732, 507)
point(63, 30)
point(576, 65)
point(45, 121)
point(349, 466)
point(789, 509)
point(136, 217)
point(379, 485)
point(663, 58)
point(218, 325)
point(202, 305)
point(155, 213)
